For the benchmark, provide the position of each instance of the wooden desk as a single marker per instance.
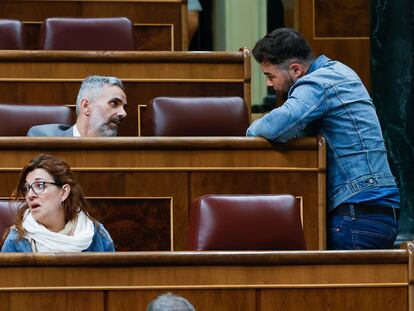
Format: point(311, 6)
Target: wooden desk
point(147, 184)
point(160, 25)
point(54, 77)
point(234, 281)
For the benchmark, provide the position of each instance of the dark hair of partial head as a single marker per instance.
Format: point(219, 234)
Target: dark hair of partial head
point(281, 45)
point(170, 302)
point(61, 174)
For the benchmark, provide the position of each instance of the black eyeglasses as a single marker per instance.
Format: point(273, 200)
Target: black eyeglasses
point(37, 187)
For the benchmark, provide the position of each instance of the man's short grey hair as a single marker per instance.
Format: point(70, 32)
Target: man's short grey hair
point(92, 84)
point(170, 302)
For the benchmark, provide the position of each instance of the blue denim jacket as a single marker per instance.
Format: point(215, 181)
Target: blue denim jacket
point(332, 98)
point(101, 242)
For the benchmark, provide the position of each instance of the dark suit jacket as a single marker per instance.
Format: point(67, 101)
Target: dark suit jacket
point(51, 130)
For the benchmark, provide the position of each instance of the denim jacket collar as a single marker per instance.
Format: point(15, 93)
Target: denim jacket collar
point(318, 63)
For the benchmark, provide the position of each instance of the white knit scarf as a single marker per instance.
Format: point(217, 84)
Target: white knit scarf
point(44, 240)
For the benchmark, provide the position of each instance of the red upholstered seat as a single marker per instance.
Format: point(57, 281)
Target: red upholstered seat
point(11, 35)
point(245, 222)
point(113, 34)
point(7, 216)
point(16, 120)
point(197, 116)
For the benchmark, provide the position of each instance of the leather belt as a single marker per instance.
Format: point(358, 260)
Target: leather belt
point(359, 209)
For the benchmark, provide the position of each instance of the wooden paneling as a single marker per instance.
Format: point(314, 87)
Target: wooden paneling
point(179, 170)
point(342, 18)
point(248, 281)
point(341, 299)
point(340, 30)
point(54, 77)
point(135, 223)
point(234, 300)
point(155, 37)
point(159, 25)
point(40, 301)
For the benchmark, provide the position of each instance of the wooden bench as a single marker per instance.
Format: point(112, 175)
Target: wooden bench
point(142, 188)
point(160, 25)
point(236, 281)
point(54, 77)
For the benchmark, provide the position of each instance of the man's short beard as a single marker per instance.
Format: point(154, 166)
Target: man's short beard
point(103, 128)
point(284, 95)
point(106, 131)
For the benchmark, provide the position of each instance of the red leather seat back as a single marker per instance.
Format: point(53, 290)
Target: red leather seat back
point(11, 35)
point(245, 222)
point(7, 216)
point(16, 120)
point(113, 34)
point(197, 116)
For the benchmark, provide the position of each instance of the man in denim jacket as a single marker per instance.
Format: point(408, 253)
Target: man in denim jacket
point(362, 196)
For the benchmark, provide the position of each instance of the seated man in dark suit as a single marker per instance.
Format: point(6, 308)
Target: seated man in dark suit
point(100, 108)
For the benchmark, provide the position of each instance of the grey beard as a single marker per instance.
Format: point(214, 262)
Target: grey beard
point(106, 131)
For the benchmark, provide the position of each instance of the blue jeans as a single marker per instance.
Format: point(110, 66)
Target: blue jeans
point(361, 231)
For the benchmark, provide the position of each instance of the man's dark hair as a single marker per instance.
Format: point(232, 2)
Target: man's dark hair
point(282, 45)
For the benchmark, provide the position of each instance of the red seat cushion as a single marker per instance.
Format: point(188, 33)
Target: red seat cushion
point(245, 222)
point(113, 34)
point(11, 35)
point(16, 120)
point(197, 116)
point(7, 216)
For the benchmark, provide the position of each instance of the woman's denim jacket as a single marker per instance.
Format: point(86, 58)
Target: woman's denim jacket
point(101, 242)
point(332, 99)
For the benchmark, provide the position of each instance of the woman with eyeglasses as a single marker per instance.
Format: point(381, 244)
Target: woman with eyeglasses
point(52, 212)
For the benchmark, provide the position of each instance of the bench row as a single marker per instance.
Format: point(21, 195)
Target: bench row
point(167, 116)
point(54, 77)
point(158, 25)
